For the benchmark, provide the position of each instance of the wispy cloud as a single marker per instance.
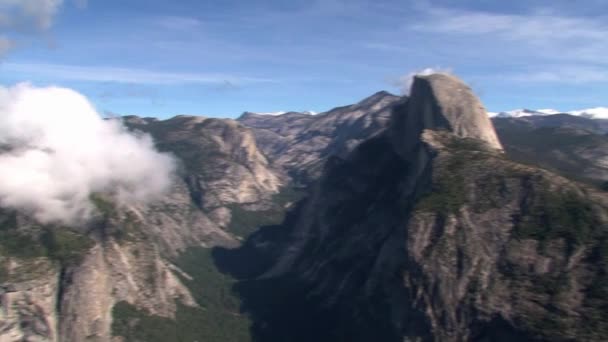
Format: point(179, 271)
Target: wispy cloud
point(123, 75)
point(179, 23)
point(539, 25)
point(540, 45)
point(540, 32)
point(575, 74)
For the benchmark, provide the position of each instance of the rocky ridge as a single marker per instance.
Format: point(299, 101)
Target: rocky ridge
point(437, 237)
point(300, 143)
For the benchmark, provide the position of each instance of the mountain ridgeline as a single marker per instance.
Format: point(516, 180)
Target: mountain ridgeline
point(429, 232)
point(393, 219)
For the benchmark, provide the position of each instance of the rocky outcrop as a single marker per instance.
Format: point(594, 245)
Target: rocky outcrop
point(111, 273)
point(64, 287)
point(438, 237)
point(441, 102)
point(28, 302)
point(221, 161)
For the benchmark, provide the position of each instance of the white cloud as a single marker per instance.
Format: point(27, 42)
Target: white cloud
point(122, 75)
point(57, 150)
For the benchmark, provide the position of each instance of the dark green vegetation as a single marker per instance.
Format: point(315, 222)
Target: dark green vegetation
point(20, 245)
point(191, 142)
point(15, 243)
point(598, 290)
point(217, 319)
point(105, 206)
point(60, 244)
point(66, 246)
point(244, 222)
point(122, 229)
point(137, 325)
point(549, 214)
point(448, 191)
point(190, 324)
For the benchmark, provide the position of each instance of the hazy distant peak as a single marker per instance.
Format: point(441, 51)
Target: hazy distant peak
point(591, 113)
point(279, 113)
point(376, 97)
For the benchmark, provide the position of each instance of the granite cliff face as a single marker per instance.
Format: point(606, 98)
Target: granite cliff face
point(440, 102)
point(438, 237)
point(221, 161)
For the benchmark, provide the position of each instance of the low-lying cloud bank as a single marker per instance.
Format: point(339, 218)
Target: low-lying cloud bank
point(56, 150)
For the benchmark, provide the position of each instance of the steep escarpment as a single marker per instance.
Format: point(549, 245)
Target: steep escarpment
point(436, 237)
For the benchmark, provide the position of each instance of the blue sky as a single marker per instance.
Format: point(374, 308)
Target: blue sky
point(223, 57)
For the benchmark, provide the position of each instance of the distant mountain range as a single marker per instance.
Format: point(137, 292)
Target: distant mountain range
point(591, 113)
point(309, 112)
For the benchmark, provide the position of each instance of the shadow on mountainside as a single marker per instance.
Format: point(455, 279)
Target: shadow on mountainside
point(335, 303)
point(278, 307)
point(285, 308)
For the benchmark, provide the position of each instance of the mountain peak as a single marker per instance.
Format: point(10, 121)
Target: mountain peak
point(441, 101)
point(376, 98)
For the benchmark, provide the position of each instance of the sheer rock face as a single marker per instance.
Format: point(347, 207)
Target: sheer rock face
point(441, 101)
point(439, 237)
point(221, 161)
point(42, 300)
